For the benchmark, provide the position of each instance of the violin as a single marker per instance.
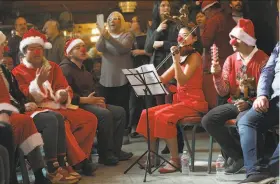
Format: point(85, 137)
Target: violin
point(185, 50)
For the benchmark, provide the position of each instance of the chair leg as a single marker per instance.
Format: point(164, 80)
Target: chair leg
point(210, 155)
point(25, 177)
point(193, 147)
point(186, 141)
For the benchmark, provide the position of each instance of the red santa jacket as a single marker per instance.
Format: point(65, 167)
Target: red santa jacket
point(216, 30)
point(228, 81)
point(46, 95)
point(5, 103)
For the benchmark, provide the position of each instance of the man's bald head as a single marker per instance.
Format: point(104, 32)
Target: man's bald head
point(21, 25)
point(51, 28)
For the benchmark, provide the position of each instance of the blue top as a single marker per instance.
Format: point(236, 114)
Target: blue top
point(269, 82)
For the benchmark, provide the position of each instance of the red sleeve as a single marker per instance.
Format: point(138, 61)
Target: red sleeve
point(221, 82)
point(60, 82)
point(209, 33)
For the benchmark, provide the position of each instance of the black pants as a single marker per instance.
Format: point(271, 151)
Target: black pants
point(213, 122)
point(4, 166)
point(136, 105)
point(7, 141)
point(118, 96)
point(51, 125)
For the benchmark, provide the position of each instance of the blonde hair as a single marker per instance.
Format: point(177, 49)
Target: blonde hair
point(119, 15)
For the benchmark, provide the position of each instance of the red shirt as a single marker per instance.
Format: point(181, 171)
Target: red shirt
point(228, 83)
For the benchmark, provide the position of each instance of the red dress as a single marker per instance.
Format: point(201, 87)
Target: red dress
point(188, 101)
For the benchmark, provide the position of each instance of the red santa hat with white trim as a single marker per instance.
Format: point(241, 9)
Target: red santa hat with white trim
point(33, 36)
point(2, 37)
point(207, 4)
point(70, 44)
point(244, 31)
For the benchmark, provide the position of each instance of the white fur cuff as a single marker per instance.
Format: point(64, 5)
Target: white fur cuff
point(35, 91)
point(9, 107)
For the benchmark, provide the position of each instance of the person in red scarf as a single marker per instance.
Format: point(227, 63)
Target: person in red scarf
point(238, 78)
point(42, 82)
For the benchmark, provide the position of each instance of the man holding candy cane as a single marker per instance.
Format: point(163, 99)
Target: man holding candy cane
point(238, 78)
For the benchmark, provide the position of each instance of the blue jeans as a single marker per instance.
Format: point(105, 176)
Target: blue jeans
point(251, 128)
point(274, 163)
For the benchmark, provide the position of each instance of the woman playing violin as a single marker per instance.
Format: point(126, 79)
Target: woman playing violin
point(188, 101)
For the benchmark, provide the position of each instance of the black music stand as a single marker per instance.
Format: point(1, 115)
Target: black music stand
point(144, 82)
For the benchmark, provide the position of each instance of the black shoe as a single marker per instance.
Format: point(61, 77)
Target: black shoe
point(135, 135)
point(88, 168)
point(42, 181)
point(108, 160)
point(261, 178)
point(125, 156)
point(229, 162)
point(235, 167)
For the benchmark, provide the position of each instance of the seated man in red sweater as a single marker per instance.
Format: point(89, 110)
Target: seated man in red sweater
point(239, 78)
point(42, 82)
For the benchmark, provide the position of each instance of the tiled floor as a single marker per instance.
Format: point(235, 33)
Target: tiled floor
point(108, 175)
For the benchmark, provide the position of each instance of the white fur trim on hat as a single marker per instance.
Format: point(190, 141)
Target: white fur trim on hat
point(9, 107)
point(209, 5)
point(243, 36)
point(73, 44)
point(32, 40)
point(2, 38)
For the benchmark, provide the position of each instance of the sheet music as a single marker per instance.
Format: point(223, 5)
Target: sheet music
point(150, 78)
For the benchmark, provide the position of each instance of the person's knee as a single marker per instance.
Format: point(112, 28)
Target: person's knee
point(206, 121)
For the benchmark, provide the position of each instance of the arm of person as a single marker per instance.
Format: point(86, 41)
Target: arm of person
point(76, 99)
point(100, 44)
point(152, 36)
point(61, 85)
point(221, 81)
point(123, 46)
point(209, 33)
point(268, 74)
point(192, 63)
point(168, 75)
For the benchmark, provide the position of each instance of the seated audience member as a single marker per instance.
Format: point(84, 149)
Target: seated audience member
point(238, 79)
point(263, 115)
point(7, 152)
point(25, 134)
point(42, 82)
point(8, 62)
point(50, 124)
point(111, 118)
point(188, 101)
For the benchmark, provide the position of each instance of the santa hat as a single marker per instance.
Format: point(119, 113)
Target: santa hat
point(70, 44)
point(206, 4)
point(2, 37)
point(244, 31)
point(33, 36)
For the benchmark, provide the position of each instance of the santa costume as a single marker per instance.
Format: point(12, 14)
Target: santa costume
point(80, 125)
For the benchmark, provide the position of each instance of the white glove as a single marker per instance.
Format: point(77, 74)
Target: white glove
point(158, 44)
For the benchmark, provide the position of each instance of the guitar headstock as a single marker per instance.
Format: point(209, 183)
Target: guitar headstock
point(214, 54)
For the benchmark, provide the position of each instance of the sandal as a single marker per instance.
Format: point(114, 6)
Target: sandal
point(61, 176)
point(169, 168)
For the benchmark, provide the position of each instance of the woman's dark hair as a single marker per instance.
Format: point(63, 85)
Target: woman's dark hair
point(197, 44)
point(156, 16)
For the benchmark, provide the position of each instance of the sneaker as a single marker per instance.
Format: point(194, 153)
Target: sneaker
point(235, 167)
point(108, 160)
point(125, 156)
point(135, 135)
point(72, 172)
point(262, 178)
point(61, 176)
point(229, 162)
